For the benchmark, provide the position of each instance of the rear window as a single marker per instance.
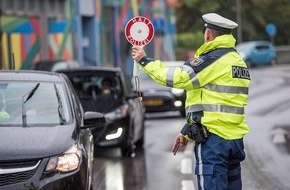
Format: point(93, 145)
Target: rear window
point(263, 47)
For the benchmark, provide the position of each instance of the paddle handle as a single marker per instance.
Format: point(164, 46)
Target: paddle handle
point(135, 68)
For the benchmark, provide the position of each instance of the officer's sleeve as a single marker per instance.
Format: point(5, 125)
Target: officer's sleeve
point(175, 77)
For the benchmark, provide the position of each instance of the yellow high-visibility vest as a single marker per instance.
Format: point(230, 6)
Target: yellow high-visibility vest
point(217, 83)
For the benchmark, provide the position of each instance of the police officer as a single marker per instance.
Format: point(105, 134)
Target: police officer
point(217, 83)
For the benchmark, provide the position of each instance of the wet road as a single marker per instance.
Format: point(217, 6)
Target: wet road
point(268, 162)
point(154, 167)
point(267, 146)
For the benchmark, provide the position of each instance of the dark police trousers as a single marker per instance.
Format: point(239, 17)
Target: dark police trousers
point(218, 163)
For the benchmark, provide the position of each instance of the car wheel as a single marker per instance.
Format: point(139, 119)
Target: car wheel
point(128, 151)
point(273, 62)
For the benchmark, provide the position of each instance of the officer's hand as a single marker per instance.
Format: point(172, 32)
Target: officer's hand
point(138, 53)
point(180, 141)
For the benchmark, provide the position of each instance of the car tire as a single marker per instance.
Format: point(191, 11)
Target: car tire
point(128, 151)
point(273, 62)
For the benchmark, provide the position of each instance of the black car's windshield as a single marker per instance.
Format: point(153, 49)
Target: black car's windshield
point(31, 103)
point(98, 91)
point(96, 87)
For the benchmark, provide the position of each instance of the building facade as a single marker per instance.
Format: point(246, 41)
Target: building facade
point(89, 31)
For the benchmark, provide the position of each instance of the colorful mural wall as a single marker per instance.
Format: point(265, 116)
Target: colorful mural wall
point(21, 41)
point(93, 39)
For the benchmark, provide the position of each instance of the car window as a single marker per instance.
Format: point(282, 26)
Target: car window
point(262, 47)
point(94, 87)
point(35, 102)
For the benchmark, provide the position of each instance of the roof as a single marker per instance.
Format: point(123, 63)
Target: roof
point(30, 75)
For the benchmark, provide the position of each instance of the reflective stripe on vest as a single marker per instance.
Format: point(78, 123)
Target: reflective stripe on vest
point(215, 108)
point(192, 75)
point(169, 76)
point(227, 89)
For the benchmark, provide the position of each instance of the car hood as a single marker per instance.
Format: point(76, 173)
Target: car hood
point(35, 142)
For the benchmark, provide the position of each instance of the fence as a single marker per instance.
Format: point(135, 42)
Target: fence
point(283, 54)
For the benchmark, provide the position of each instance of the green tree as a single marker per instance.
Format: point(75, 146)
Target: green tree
point(255, 14)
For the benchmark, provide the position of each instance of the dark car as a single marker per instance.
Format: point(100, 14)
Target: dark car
point(158, 98)
point(125, 118)
point(257, 53)
point(46, 142)
point(55, 65)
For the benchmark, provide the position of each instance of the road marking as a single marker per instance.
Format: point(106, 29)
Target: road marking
point(279, 139)
point(186, 166)
point(279, 135)
point(187, 185)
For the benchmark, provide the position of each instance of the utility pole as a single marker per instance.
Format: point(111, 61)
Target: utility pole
point(1, 60)
point(239, 21)
point(43, 19)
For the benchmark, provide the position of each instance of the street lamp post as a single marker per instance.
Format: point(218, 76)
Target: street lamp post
point(239, 21)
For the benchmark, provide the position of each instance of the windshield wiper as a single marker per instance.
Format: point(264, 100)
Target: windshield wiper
point(60, 107)
point(29, 95)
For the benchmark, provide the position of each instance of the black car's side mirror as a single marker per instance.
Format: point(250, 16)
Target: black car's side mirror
point(93, 119)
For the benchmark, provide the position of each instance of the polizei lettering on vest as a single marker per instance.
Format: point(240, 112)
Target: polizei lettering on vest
point(240, 72)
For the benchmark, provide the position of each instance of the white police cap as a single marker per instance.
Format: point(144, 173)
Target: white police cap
point(217, 22)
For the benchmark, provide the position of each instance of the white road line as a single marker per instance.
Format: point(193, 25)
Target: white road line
point(187, 185)
point(186, 166)
point(279, 139)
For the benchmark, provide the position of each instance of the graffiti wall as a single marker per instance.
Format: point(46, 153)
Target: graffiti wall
point(21, 41)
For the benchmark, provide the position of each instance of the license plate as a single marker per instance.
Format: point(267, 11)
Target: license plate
point(153, 102)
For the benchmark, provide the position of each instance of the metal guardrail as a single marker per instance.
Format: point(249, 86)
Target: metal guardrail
point(283, 54)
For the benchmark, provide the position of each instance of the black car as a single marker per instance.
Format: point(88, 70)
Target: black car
point(158, 98)
point(55, 65)
point(125, 117)
point(46, 142)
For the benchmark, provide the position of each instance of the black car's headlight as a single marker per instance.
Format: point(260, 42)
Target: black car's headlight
point(118, 113)
point(66, 162)
point(177, 92)
point(115, 134)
